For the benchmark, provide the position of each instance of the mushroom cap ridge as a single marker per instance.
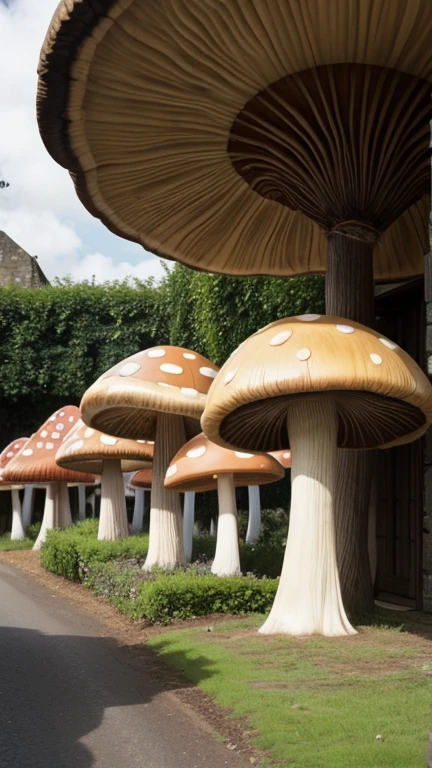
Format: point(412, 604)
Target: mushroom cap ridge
point(35, 462)
point(197, 464)
point(124, 401)
point(85, 450)
point(382, 396)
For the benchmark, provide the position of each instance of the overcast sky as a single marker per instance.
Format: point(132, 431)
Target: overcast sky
point(40, 210)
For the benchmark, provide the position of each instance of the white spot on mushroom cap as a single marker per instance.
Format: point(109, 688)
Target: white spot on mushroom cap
point(44, 433)
point(287, 455)
point(376, 359)
point(89, 432)
point(16, 446)
point(171, 368)
point(27, 452)
point(71, 419)
point(303, 354)
point(189, 356)
point(308, 318)
point(229, 377)
point(241, 455)
point(60, 426)
point(55, 435)
point(345, 328)
point(10, 454)
point(49, 446)
point(195, 453)
point(129, 369)
point(389, 344)
point(280, 338)
point(108, 440)
point(76, 446)
point(156, 353)
point(150, 442)
point(171, 470)
point(39, 444)
point(189, 392)
point(209, 372)
point(52, 418)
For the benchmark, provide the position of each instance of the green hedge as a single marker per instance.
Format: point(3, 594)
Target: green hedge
point(264, 558)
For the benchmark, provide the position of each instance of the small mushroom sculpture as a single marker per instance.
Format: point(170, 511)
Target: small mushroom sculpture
point(88, 450)
point(35, 464)
point(158, 394)
point(8, 453)
point(315, 383)
point(200, 465)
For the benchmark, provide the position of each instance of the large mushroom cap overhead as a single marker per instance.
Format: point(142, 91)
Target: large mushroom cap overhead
point(85, 450)
point(382, 396)
point(125, 400)
point(35, 462)
point(6, 456)
point(196, 467)
point(196, 128)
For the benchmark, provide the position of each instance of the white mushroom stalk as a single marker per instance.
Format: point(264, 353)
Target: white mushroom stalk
point(17, 531)
point(227, 556)
point(113, 522)
point(308, 599)
point(138, 513)
point(57, 513)
point(254, 519)
point(165, 531)
point(188, 523)
point(27, 505)
point(81, 502)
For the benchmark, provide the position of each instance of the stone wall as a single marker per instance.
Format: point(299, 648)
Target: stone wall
point(17, 266)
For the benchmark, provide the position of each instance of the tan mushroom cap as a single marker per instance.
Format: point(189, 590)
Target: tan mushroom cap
point(382, 396)
point(142, 479)
point(196, 467)
point(283, 457)
point(35, 462)
point(85, 450)
point(125, 400)
point(6, 456)
point(138, 100)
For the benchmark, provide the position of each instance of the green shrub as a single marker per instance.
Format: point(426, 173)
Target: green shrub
point(33, 530)
point(6, 545)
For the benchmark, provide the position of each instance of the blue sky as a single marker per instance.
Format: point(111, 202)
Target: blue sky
point(40, 209)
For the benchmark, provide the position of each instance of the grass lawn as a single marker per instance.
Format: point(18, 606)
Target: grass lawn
point(6, 545)
point(318, 702)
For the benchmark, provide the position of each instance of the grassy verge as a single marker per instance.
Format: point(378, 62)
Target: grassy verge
point(317, 702)
point(6, 545)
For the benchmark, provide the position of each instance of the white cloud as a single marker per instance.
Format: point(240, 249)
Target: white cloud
point(40, 209)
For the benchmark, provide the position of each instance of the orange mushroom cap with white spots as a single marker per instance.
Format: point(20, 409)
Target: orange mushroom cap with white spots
point(196, 467)
point(6, 456)
point(283, 457)
point(124, 401)
point(85, 450)
point(35, 462)
point(142, 479)
point(382, 396)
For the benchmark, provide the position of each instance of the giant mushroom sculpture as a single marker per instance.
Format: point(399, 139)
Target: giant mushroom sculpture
point(35, 464)
point(7, 454)
point(158, 394)
point(89, 450)
point(314, 386)
point(201, 465)
point(301, 145)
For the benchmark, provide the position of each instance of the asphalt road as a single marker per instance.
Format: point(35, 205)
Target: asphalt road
point(68, 698)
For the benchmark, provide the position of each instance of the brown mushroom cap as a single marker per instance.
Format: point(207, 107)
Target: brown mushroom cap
point(85, 450)
point(35, 462)
point(196, 467)
point(142, 479)
point(382, 396)
point(124, 401)
point(144, 102)
point(6, 456)
point(283, 457)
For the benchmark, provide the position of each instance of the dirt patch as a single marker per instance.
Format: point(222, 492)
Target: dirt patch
point(132, 636)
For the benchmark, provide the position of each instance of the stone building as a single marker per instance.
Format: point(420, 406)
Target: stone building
point(17, 266)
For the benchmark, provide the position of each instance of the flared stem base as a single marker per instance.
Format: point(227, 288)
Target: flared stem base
point(165, 532)
point(227, 556)
point(113, 522)
point(308, 600)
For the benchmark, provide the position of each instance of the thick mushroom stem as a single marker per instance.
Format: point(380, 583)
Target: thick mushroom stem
point(57, 512)
point(165, 530)
point(254, 520)
point(188, 523)
point(227, 557)
point(350, 294)
point(17, 531)
point(27, 505)
point(308, 600)
point(138, 513)
point(113, 522)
